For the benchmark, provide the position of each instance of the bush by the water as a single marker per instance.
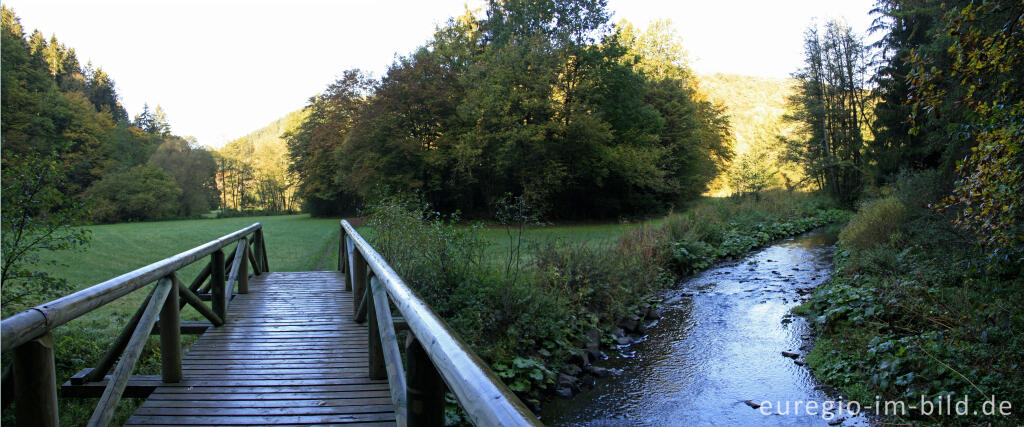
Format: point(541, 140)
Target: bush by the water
point(915, 309)
point(875, 223)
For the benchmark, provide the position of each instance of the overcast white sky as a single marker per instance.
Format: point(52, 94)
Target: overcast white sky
point(222, 69)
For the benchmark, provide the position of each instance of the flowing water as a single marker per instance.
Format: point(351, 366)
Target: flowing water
point(718, 344)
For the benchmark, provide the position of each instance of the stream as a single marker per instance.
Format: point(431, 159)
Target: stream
point(718, 344)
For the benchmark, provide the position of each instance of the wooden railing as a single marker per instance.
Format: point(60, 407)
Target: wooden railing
point(27, 334)
point(434, 353)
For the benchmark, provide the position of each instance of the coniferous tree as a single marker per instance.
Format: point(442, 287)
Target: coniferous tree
point(906, 25)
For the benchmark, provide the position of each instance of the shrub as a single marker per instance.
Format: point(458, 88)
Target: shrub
point(499, 316)
point(137, 194)
point(874, 223)
point(37, 220)
point(689, 256)
point(918, 189)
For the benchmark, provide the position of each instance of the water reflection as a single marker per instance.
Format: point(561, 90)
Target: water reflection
point(717, 345)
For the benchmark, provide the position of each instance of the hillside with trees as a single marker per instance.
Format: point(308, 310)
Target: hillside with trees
point(252, 171)
point(72, 155)
point(756, 107)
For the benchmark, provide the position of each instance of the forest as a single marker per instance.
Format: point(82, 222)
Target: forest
point(62, 115)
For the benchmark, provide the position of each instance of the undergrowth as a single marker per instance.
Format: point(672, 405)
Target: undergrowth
point(915, 312)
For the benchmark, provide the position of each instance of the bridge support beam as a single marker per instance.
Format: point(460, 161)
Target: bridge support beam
point(343, 256)
point(35, 383)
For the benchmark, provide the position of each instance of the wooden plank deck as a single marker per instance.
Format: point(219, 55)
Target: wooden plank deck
point(289, 353)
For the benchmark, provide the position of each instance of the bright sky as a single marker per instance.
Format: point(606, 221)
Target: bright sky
point(222, 69)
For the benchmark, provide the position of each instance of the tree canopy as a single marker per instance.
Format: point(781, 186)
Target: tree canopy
point(543, 99)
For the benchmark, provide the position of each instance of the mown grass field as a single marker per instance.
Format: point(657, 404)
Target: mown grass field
point(294, 243)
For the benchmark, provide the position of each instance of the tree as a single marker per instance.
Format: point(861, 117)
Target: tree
point(139, 193)
point(37, 219)
point(694, 132)
point(831, 105)
point(539, 99)
point(101, 92)
point(987, 51)
point(312, 147)
point(193, 169)
point(144, 120)
point(159, 124)
point(752, 173)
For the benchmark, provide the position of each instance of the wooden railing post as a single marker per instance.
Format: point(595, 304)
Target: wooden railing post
point(258, 251)
point(358, 277)
point(378, 370)
point(220, 305)
point(263, 252)
point(170, 335)
point(424, 387)
point(342, 255)
point(390, 354)
point(35, 383)
point(122, 372)
point(243, 270)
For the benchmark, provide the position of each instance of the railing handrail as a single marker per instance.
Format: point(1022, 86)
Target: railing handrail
point(486, 400)
point(29, 324)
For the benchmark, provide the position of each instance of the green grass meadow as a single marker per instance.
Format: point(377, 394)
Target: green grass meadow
point(294, 243)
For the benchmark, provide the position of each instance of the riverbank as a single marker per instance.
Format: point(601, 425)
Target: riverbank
point(725, 344)
point(537, 314)
point(916, 313)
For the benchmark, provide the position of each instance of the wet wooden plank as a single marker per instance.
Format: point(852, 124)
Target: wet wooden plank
point(262, 411)
point(260, 420)
point(280, 403)
point(289, 354)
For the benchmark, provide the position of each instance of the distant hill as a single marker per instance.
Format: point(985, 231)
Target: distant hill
point(755, 107)
point(254, 175)
point(264, 148)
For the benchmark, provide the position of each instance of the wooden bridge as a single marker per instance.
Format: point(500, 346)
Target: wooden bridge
point(276, 348)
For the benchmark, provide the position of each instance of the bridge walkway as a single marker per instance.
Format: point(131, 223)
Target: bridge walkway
point(289, 353)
